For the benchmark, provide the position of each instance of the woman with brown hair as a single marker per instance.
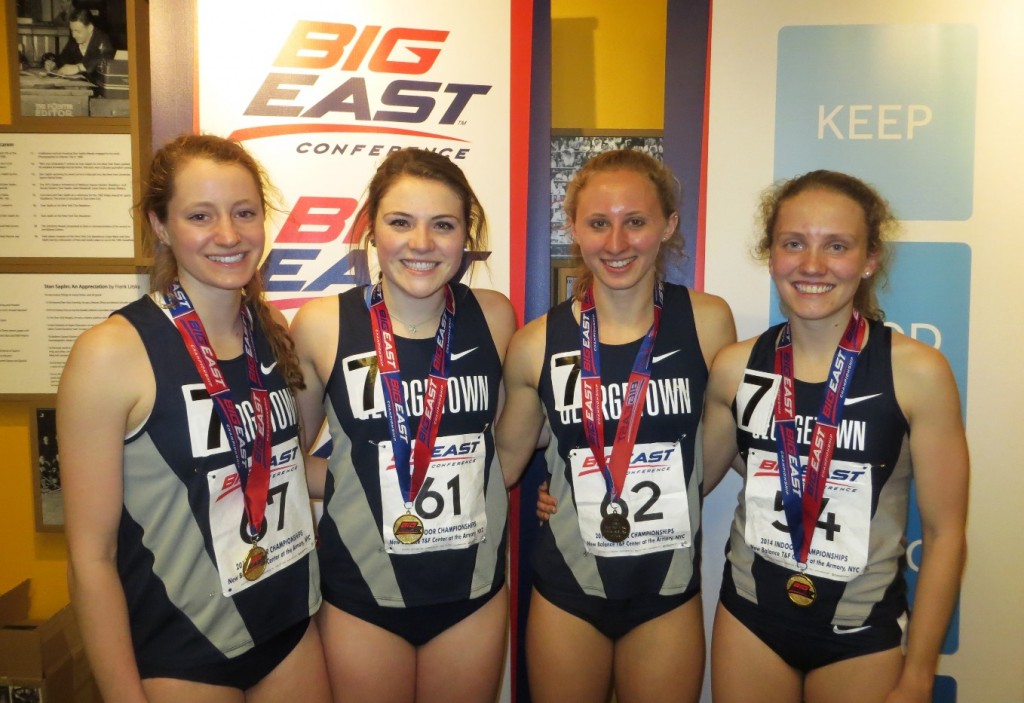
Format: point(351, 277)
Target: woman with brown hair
point(407, 373)
point(616, 377)
point(191, 562)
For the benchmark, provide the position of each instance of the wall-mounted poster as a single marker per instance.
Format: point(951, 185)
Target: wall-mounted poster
point(325, 91)
point(72, 58)
point(66, 195)
point(41, 316)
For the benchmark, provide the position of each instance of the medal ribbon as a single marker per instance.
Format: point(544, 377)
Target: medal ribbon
point(632, 405)
point(394, 397)
point(255, 478)
point(802, 491)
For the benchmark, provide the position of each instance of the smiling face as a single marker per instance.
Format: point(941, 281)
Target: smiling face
point(214, 225)
point(620, 227)
point(419, 232)
point(819, 254)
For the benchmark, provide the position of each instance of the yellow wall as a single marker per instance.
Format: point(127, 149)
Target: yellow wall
point(5, 90)
point(25, 553)
point(608, 64)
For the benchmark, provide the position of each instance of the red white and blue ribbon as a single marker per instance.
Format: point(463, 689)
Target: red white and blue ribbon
point(614, 472)
point(802, 490)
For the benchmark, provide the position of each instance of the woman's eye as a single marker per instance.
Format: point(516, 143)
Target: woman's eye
point(637, 222)
point(398, 222)
point(246, 214)
point(445, 226)
point(198, 217)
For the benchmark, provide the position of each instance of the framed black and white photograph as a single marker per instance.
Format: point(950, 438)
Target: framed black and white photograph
point(72, 58)
point(46, 469)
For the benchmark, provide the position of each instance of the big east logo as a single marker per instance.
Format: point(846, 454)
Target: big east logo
point(319, 47)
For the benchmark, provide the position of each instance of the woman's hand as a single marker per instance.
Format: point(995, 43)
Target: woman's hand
point(547, 504)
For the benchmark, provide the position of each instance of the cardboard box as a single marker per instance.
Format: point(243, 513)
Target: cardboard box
point(43, 658)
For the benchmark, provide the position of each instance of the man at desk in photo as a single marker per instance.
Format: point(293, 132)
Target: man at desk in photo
point(86, 50)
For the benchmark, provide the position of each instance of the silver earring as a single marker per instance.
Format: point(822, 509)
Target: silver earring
point(867, 274)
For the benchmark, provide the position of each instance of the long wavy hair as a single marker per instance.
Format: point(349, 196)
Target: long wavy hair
point(158, 190)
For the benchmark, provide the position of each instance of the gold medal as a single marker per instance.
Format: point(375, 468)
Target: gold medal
point(800, 590)
point(255, 563)
point(408, 529)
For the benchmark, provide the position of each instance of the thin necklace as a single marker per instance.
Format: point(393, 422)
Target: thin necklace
point(413, 328)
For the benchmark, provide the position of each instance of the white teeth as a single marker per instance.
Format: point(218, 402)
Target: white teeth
point(618, 263)
point(226, 259)
point(814, 288)
point(420, 265)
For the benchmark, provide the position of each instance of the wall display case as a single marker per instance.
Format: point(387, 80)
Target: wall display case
point(70, 250)
point(75, 136)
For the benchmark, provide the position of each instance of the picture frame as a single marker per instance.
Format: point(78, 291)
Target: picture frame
point(49, 500)
point(563, 269)
point(57, 77)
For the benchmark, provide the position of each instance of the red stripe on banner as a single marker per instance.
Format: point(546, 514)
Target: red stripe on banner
point(290, 303)
point(195, 71)
point(702, 206)
point(243, 134)
point(519, 164)
point(519, 141)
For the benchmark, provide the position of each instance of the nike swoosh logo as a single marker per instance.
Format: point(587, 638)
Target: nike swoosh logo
point(267, 369)
point(463, 353)
point(849, 630)
point(656, 359)
point(858, 399)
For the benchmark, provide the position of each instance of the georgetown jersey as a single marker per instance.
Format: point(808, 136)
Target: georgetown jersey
point(856, 554)
point(166, 549)
point(359, 560)
point(663, 484)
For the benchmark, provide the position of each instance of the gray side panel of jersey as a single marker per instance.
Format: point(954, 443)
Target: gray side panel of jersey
point(154, 493)
point(885, 546)
point(680, 571)
point(351, 512)
point(566, 529)
point(487, 552)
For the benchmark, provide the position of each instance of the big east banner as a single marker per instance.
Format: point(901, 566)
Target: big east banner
point(321, 92)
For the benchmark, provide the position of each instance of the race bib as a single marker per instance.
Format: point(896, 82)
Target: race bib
point(839, 549)
point(654, 495)
point(287, 531)
point(450, 503)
